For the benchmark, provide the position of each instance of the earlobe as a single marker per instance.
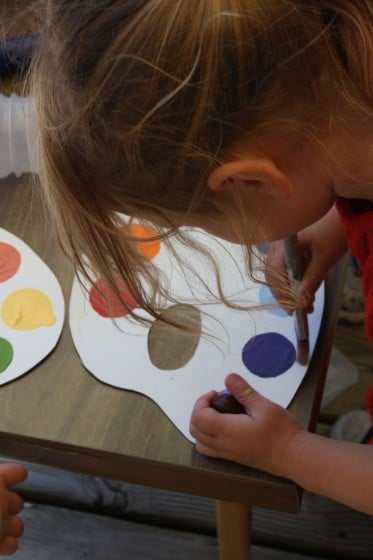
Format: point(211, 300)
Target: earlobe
point(258, 172)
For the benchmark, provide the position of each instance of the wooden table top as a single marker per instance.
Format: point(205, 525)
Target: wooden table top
point(60, 415)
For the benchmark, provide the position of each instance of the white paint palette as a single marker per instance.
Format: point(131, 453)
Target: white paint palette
point(259, 345)
point(32, 308)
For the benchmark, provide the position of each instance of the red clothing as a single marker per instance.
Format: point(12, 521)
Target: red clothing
point(357, 218)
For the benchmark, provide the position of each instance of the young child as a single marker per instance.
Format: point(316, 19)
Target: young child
point(11, 526)
point(249, 119)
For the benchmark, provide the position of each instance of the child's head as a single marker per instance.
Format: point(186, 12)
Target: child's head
point(141, 101)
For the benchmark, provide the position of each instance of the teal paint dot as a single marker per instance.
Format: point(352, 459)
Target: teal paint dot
point(6, 354)
point(266, 298)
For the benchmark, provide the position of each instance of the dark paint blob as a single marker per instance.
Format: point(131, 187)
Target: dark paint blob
point(170, 347)
point(268, 355)
point(225, 403)
point(106, 303)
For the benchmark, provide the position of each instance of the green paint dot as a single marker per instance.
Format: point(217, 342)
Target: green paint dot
point(6, 354)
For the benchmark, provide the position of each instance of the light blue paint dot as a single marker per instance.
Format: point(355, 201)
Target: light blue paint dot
point(263, 248)
point(266, 297)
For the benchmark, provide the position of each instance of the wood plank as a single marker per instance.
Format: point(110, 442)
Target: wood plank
point(340, 530)
point(63, 534)
point(322, 527)
point(234, 530)
point(118, 499)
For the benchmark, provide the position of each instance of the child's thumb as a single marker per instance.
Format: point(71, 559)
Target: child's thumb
point(241, 390)
point(310, 283)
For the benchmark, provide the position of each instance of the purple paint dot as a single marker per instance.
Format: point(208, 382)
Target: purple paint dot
point(268, 355)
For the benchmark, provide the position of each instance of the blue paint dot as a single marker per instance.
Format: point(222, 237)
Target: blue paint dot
point(268, 355)
point(263, 248)
point(266, 297)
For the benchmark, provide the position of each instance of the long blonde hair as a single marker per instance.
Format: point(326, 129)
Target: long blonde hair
point(137, 100)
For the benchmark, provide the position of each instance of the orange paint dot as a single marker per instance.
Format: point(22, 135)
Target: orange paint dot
point(148, 249)
point(107, 304)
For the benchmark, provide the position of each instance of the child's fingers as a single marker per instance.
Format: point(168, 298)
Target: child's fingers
point(204, 418)
point(203, 424)
point(241, 390)
point(12, 473)
point(14, 526)
point(15, 503)
point(204, 400)
point(206, 450)
point(8, 545)
point(200, 435)
point(310, 284)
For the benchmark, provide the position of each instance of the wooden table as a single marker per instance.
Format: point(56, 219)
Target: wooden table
point(58, 415)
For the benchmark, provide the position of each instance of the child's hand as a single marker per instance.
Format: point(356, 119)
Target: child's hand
point(10, 505)
point(262, 438)
point(321, 246)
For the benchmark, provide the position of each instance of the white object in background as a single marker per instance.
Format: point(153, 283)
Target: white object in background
point(17, 124)
point(31, 345)
point(342, 373)
point(116, 352)
point(352, 426)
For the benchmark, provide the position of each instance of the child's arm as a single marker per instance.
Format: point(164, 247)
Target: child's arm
point(321, 246)
point(271, 439)
point(11, 526)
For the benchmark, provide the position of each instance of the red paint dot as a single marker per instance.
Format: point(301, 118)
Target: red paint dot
point(107, 304)
point(10, 259)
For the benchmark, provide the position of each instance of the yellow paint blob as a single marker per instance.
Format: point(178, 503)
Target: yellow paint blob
point(27, 309)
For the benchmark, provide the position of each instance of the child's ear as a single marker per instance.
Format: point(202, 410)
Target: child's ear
point(256, 172)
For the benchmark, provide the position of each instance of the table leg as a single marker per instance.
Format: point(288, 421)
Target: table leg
point(234, 530)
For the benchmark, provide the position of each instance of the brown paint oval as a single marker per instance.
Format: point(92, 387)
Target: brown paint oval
point(170, 347)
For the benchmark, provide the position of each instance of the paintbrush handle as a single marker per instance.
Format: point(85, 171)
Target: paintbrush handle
point(292, 258)
point(294, 268)
point(301, 324)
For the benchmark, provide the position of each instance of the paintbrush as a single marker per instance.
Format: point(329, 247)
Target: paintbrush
point(294, 269)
